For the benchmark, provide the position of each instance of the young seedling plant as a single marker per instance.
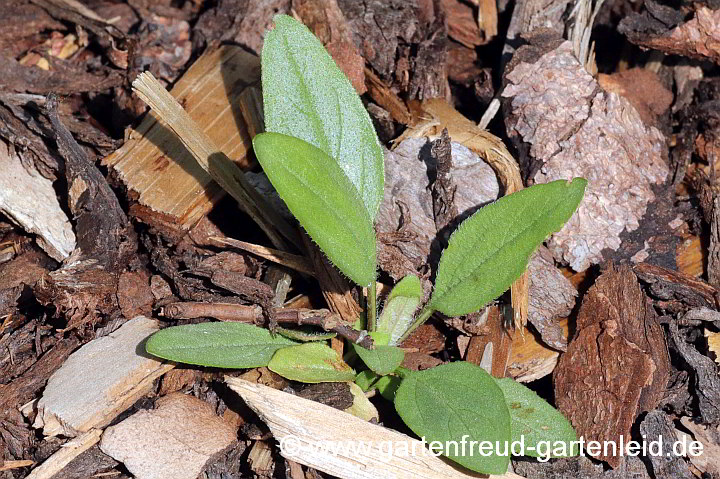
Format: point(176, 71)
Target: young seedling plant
point(322, 155)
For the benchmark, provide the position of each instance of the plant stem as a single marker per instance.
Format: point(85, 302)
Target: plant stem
point(372, 307)
point(422, 317)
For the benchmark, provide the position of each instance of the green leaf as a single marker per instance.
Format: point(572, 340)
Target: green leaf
point(365, 380)
point(533, 421)
point(361, 406)
point(455, 400)
point(307, 96)
point(383, 359)
point(311, 363)
point(397, 315)
point(322, 199)
point(386, 385)
point(491, 249)
point(219, 345)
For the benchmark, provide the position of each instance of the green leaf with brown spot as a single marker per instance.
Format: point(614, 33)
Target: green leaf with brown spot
point(311, 363)
point(533, 420)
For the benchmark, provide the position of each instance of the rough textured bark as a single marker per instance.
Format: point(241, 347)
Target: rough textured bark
point(617, 365)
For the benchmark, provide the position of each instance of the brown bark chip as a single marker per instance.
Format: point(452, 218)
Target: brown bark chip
point(705, 377)
point(697, 38)
point(617, 364)
point(667, 465)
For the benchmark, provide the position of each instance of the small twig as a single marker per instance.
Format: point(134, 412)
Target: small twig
point(321, 318)
point(222, 311)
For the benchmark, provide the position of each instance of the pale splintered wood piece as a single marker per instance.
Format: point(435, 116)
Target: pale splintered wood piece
point(261, 459)
point(8, 465)
point(69, 451)
point(301, 424)
point(99, 381)
point(530, 359)
point(292, 261)
point(155, 164)
point(37, 213)
point(213, 160)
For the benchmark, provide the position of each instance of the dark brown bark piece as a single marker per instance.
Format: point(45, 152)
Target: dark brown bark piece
point(666, 465)
point(713, 267)
point(21, 23)
point(336, 395)
point(86, 285)
point(443, 188)
point(462, 24)
point(88, 464)
point(134, 295)
point(667, 284)
point(580, 467)
point(706, 379)
point(617, 365)
point(656, 28)
point(326, 21)
point(403, 41)
point(100, 222)
point(426, 339)
point(24, 388)
point(65, 78)
point(420, 361)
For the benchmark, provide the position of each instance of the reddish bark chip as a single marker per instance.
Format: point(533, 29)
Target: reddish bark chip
point(616, 366)
point(134, 295)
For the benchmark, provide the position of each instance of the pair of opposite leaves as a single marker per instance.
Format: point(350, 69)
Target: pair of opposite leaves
point(323, 157)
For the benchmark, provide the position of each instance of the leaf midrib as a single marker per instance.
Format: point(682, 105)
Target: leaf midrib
point(490, 254)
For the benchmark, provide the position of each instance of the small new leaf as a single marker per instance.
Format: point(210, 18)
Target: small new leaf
point(307, 96)
point(383, 359)
point(455, 401)
point(218, 345)
point(311, 363)
point(534, 421)
point(321, 197)
point(397, 316)
point(491, 249)
point(386, 385)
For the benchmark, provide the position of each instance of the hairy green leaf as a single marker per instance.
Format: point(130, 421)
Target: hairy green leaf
point(536, 423)
point(383, 359)
point(453, 402)
point(311, 363)
point(307, 96)
point(397, 315)
point(322, 199)
point(491, 249)
point(219, 345)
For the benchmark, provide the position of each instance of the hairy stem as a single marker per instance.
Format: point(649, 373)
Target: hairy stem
point(422, 317)
point(372, 307)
